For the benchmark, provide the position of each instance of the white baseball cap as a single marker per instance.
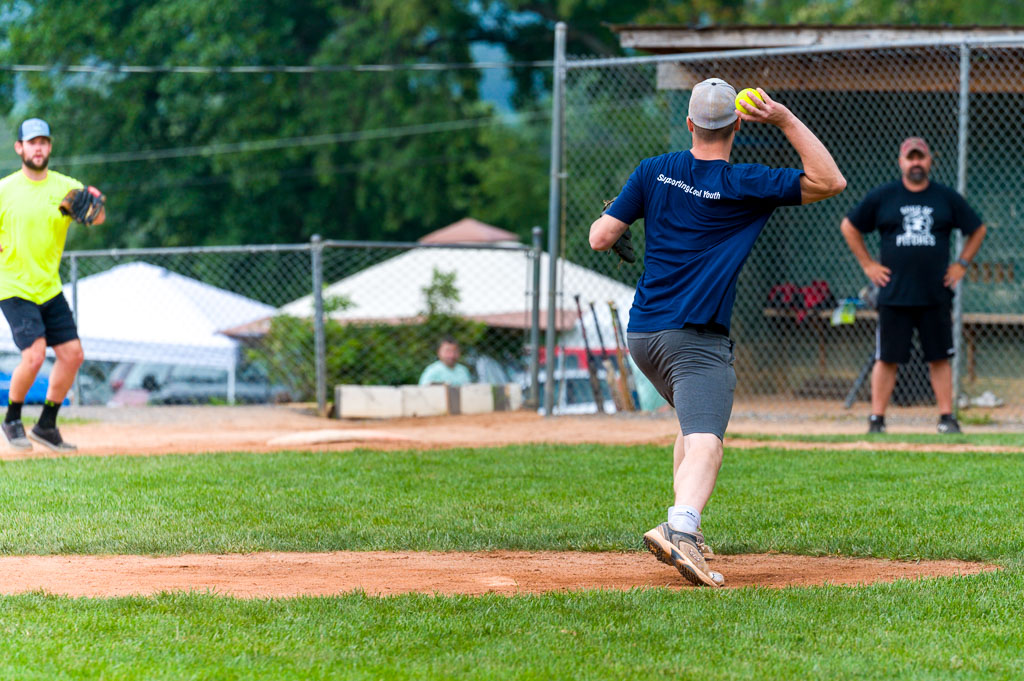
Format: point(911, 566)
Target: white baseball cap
point(33, 127)
point(713, 104)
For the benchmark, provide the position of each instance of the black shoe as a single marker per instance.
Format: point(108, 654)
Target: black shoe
point(50, 437)
point(948, 425)
point(876, 424)
point(15, 434)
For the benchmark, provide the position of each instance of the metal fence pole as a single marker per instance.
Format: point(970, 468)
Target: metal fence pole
point(554, 206)
point(961, 186)
point(77, 387)
point(533, 398)
point(320, 342)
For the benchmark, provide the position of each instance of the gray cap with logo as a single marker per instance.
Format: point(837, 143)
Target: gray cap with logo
point(33, 127)
point(713, 104)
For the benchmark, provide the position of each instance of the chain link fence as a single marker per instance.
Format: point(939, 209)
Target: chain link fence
point(288, 322)
point(388, 305)
point(861, 102)
point(238, 324)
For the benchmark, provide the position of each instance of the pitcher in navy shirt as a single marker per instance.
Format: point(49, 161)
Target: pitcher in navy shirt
point(914, 218)
point(701, 218)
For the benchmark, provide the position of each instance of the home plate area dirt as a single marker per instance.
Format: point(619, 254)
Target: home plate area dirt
point(267, 575)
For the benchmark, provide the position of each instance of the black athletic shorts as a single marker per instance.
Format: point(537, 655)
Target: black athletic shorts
point(896, 326)
point(30, 321)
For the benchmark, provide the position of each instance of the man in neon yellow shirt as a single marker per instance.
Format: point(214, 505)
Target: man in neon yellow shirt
point(32, 236)
point(447, 368)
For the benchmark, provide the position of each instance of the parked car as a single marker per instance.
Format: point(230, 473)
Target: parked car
point(37, 391)
point(149, 383)
point(94, 382)
point(573, 394)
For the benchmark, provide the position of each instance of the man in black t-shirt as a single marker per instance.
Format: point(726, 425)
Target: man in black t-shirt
point(914, 218)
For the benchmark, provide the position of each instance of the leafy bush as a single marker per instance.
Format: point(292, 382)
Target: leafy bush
point(371, 353)
point(368, 354)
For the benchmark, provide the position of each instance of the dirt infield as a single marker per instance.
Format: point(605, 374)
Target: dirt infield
point(167, 430)
point(383, 574)
point(191, 430)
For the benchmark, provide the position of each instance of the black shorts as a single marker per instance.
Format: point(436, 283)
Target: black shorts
point(896, 326)
point(30, 321)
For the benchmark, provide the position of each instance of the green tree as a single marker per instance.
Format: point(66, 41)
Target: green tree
point(384, 186)
point(922, 12)
point(513, 177)
point(441, 294)
point(381, 181)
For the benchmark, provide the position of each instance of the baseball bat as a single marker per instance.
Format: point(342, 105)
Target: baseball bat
point(609, 368)
point(595, 382)
point(625, 373)
point(630, 378)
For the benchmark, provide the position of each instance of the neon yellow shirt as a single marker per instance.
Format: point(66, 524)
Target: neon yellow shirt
point(32, 235)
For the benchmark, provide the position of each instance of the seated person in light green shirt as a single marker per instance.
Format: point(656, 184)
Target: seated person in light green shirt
point(447, 368)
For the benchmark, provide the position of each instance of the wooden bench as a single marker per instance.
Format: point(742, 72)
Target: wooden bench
point(974, 324)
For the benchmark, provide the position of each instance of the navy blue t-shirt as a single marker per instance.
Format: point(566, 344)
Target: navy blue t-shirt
point(701, 219)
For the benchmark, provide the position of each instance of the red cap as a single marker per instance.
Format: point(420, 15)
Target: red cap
point(914, 144)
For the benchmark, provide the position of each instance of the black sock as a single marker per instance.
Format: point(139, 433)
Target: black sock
point(48, 419)
point(945, 417)
point(13, 411)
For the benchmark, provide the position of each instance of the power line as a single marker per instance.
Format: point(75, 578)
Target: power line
point(301, 173)
point(318, 68)
point(314, 140)
point(292, 142)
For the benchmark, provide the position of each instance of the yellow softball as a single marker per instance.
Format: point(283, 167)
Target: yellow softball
point(747, 95)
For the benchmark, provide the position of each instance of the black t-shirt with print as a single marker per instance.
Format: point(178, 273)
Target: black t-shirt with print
point(914, 230)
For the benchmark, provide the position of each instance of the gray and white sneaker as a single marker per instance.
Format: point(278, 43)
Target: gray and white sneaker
point(679, 549)
point(50, 438)
point(14, 431)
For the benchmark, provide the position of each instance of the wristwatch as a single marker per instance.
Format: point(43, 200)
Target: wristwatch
point(963, 262)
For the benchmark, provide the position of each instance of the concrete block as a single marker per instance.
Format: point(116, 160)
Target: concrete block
point(367, 401)
point(507, 397)
point(424, 400)
point(513, 397)
point(476, 398)
point(454, 399)
point(500, 397)
point(387, 402)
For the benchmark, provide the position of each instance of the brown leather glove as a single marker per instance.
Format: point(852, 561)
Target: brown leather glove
point(83, 205)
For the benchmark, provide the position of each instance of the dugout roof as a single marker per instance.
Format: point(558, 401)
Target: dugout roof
point(910, 69)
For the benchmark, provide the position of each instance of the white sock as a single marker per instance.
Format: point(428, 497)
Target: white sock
point(683, 518)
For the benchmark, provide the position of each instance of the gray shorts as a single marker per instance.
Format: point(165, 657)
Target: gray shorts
point(693, 371)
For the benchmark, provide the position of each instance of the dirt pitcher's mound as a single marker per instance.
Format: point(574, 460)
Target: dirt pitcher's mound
point(386, 573)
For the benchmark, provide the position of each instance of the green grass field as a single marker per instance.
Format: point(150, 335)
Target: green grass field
point(863, 503)
point(974, 438)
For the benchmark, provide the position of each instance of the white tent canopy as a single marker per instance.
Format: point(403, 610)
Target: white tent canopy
point(139, 312)
point(494, 288)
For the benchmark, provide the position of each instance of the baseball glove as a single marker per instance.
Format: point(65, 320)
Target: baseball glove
point(624, 246)
point(83, 205)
